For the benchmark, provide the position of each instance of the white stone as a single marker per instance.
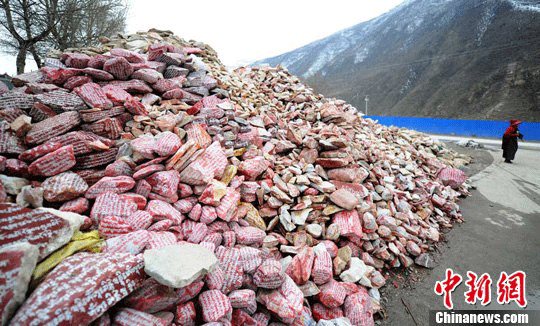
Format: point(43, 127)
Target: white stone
point(137, 44)
point(302, 180)
point(30, 196)
point(299, 217)
point(314, 229)
point(425, 260)
point(364, 281)
point(355, 272)
point(342, 321)
point(393, 248)
point(179, 265)
point(320, 248)
point(379, 189)
point(369, 270)
point(375, 196)
point(13, 185)
point(374, 293)
point(344, 199)
point(270, 241)
point(376, 305)
point(289, 249)
point(285, 262)
point(197, 63)
point(309, 289)
point(327, 187)
point(386, 195)
point(285, 218)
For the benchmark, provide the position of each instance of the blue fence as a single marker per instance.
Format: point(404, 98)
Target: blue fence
point(471, 128)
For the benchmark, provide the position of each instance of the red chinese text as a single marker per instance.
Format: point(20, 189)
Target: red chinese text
point(447, 286)
point(479, 288)
point(512, 288)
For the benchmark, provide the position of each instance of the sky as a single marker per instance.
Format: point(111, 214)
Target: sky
point(243, 31)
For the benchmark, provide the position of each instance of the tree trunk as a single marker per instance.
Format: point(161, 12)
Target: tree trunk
point(36, 56)
point(21, 59)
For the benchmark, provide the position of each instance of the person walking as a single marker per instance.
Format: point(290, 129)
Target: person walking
point(510, 141)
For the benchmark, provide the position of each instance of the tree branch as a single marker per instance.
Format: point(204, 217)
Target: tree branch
point(11, 27)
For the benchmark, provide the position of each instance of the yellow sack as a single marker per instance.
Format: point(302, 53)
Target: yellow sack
point(79, 241)
point(239, 152)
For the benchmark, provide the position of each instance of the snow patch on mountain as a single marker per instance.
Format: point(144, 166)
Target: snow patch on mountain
point(411, 79)
point(415, 24)
point(293, 57)
point(527, 6)
point(484, 23)
point(331, 50)
point(361, 56)
point(347, 33)
point(447, 18)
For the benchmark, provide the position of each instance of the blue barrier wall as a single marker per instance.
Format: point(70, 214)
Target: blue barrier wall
point(471, 128)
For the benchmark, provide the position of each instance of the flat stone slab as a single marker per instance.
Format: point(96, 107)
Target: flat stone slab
point(179, 265)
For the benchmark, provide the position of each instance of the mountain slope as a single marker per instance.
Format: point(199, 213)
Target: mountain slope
point(438, 58)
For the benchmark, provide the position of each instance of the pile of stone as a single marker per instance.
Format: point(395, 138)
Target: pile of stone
point(227, 198)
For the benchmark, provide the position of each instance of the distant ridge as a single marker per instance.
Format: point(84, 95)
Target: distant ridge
point(432, 58)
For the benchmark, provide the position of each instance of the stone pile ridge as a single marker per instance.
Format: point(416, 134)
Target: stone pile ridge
point(149, 185)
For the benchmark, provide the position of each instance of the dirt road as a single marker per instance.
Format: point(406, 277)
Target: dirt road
point(500, 234)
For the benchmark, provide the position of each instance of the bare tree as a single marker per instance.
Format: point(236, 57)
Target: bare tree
point(83, 22)
point(24, 24)
point(36, 26)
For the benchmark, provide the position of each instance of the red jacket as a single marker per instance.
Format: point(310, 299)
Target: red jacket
point(511, 131)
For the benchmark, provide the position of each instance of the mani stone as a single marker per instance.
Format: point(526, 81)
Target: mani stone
point(63, 187)
point(51, 127)
point(54, 163)
point(97, 159)
point(179, 265)
point(17, 263)
point(47, 228)
point(82, 288)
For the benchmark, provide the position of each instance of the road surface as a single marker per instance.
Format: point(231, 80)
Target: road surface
point(500, 234)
